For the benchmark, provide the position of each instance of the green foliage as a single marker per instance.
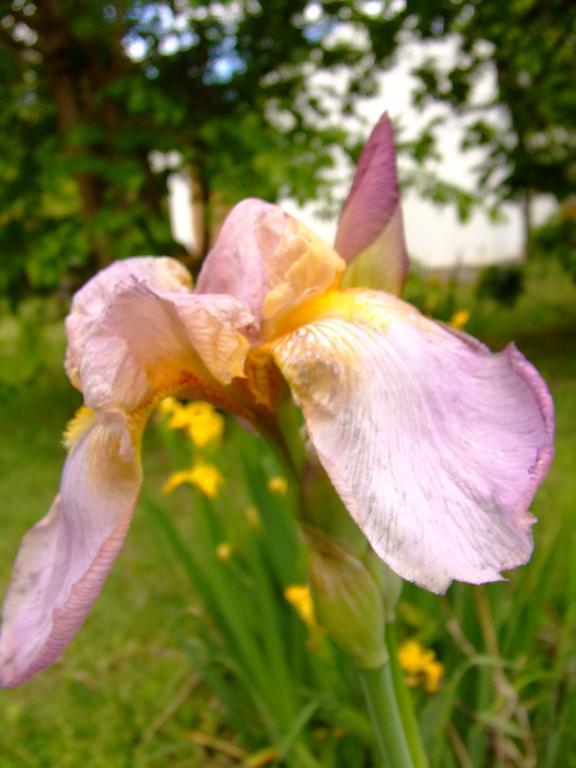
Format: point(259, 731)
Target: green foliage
point(528, 127)
point(91, 90)
point(556, 239)
point(279, 680)
point(503, 284)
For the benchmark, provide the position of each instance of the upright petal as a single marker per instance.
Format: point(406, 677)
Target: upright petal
point(268, 260)
point(146, 341)
point(64, 560)
point(435, 445)
point(370, 236)
point(236, 265)
point(155, 272)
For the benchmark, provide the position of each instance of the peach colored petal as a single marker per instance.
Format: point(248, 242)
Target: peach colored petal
point(145, 341)
point(64, 560)
point(268, 260)
point(91, 300)
point(435, 445)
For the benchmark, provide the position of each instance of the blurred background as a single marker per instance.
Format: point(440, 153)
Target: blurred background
point(131, 128)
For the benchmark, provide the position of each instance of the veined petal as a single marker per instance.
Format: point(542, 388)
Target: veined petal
point(435, 445)
point(147, 340)
point(236, 265)
point(370, 235)
point(268, 260)
point(64, 560)
point(155, 272)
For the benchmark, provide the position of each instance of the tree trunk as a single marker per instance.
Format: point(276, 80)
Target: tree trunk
point(526, 212)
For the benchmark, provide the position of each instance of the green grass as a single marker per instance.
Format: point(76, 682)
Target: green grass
point(125, 693)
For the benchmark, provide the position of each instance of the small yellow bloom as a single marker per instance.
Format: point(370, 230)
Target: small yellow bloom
point(202, 421)
point(412, 656)
point(420, 665)
point(168, 406)
point(433, 676)
point(223, 551)
point(206, 477)
point(300, 598)
point(278, 485)
point(459, 318)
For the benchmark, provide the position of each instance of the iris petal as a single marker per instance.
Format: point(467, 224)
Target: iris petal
point(92, 299)
point(435, 444)
point(268, 260)
point(146, 341)
point(64, 560)
point(370, 235)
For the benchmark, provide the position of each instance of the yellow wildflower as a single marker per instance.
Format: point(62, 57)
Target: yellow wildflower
point(433, 676)
point(168, 406)
point(420, 665)
point(278, 485)
point(200, 419)
point(205, 424)
point(223, 551)
point(204, 476)
point(459, 318)
point(300, 598)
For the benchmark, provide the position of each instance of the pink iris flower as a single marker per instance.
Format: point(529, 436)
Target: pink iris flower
point(435, 445)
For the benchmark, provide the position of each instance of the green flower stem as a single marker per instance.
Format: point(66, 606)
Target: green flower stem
point(391, 740)
point(419, 759)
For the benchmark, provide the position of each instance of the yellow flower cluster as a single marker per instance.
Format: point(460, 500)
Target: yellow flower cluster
point(420, 665)
point(459, 318)
point(204, 476)
point(277, 485)
point(224, 551)
point(201, 420)
point(299, 597)
point(204, 425)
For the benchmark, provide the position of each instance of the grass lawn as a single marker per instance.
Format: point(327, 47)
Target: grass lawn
point(124, 693)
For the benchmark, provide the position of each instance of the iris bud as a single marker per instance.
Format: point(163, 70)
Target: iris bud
point(347, 600)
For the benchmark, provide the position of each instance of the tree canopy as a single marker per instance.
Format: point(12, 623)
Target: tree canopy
point(528, 124)
point(91, 90)
point(247, 98)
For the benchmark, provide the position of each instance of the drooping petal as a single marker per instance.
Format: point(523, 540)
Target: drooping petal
point(435, 445)
point(146, 341)
point(370, 235)
point(155, 272)
point(268, 260)
point(64, 560)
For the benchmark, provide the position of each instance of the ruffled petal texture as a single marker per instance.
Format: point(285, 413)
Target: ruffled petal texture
point(268, 260)
point(370, 235)
point(91, 301)
point(146, 342)
point(64, 560)
point(435, 444)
